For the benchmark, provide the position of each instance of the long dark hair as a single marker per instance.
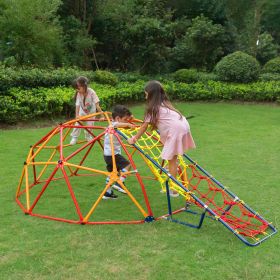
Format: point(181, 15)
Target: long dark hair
point(82, 81)
point(157, 97)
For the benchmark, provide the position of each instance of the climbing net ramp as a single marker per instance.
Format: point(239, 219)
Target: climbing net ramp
point(67, 182)
point(201, 191)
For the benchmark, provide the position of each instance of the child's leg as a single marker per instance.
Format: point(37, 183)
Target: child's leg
point(75, 134)
point(127, 168)
point(88, 136)
point(172, 165)
point(123, 165)
point(109, 193)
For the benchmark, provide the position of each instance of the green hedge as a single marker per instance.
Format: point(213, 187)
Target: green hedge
point(28, 104)
point(35, 77)
point(215, 91)
point(22, 104)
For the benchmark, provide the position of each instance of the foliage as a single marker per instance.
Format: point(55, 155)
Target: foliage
point(105, 77)
point(31, 34)
point(201, 46)
point(272, 66)
point(266, 48)
point(78, 43)
point(145, 36)
point(186, 75)
point(21, 104)
point(270, 20)
point(269, 77)
point(238, 67)
point(36, 77)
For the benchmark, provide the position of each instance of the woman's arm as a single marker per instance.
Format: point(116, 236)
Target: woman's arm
point(98, 109)
point(77, 110)
point(142, 129)
point(124, 125)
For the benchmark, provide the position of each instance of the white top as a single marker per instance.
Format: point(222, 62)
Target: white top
point(87, 103)
point(107, 143)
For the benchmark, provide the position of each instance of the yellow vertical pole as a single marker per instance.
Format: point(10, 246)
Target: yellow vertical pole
point(27, 188)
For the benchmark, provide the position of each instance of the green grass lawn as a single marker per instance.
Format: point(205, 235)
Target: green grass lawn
point(237, 144)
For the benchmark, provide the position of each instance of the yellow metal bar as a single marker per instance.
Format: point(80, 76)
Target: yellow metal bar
point(97, 201)
point(44, 168)
point(29, 154)
point(20, 181)
point(43, 163)
point(86, 168)
point(27, 188)
point(133, 199)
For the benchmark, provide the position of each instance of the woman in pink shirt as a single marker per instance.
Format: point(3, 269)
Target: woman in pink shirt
point(174, 129)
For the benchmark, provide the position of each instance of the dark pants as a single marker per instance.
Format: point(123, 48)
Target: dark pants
point(121, 162)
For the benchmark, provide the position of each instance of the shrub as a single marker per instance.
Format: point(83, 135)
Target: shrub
point(269, 77)
point(131, 77)
point(105, 77)
point(272, 66)
point(185, 76)
point(25, 104)
point(238, 67)
point(35, 77)
point(205, 77)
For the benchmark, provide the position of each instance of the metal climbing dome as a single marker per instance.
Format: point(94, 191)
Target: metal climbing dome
point(55, 172)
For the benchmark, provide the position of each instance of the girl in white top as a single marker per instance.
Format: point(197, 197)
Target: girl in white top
point(87, 102)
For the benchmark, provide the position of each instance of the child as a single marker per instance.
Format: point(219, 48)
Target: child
point(120, 115)
point(174, 129)
point(87, 102)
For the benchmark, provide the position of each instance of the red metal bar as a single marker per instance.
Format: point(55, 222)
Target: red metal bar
point(43, 189)
point(72, 193)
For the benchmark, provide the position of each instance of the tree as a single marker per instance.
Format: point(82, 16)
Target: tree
point(266, 48)
point(31, 34)
point(245, 16)
point(77, 20)
point(202, 45)
point(270, 20)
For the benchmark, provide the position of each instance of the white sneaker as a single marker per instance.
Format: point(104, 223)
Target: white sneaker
point(173, 194)
point(73, 141)
point(118, 188)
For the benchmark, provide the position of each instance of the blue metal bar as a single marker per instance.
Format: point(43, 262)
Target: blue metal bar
point(168, 198)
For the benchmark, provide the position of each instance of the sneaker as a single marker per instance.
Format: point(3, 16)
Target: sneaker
point(173, 194)
point(118, 188)
point(73, 141)
point(109, 196)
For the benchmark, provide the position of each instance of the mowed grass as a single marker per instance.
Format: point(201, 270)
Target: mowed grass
point(238, 144)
